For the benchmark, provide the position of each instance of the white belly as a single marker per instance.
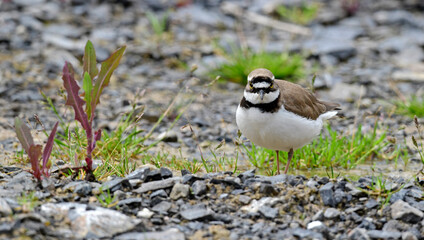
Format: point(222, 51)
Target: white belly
point(281, 130)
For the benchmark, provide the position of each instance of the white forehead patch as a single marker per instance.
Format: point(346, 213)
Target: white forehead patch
point(261, 85)
point(255, 98)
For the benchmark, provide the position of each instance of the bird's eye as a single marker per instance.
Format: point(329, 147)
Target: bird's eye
point(271, 86)
point(251, 85)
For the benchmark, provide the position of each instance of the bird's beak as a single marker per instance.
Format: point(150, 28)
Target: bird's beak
point(261, 94)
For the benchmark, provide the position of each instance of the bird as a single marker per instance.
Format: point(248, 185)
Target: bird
point(280, 115)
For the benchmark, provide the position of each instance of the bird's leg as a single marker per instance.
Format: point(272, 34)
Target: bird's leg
point(290, 155)
point(278, 162)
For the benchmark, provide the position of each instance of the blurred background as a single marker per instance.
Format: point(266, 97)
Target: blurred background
point(366, 55)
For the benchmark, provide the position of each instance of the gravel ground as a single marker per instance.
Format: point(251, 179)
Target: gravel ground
point(370, 57)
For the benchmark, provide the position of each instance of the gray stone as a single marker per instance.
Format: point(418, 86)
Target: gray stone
point(153, 175)
point(307, 234)
point(88, 222)
point(5, 209)
point(247, 174)
point(151, 186)
point(200, 15)
point(169, 136)
point(331, 213)
point(403, 211)
point(64, 30)
point(131, 202)
point(371, 203)
point(379, 234)
point(196, 212)
point(199, 188)
point(170, 234)
point(396, 17)
point(179, 191)
point(116, 184)
point(162, 207)
point(165, 173)
point(341, 50)
point(409, 236)
point(243, 199)
point(268, 212)
point(159, 193)
point(268, 189)
point(319, 216)
point(326, 194)
point(83, 189)
point(358, 234)
point(63, 42)
point(139, 173)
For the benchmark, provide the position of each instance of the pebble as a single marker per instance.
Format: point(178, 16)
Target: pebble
point(331, 213)
point(145, 213)
point(170, 234)
point(150, 186)
point(405, 212)
point(199, 188)
point(179, 191)
point(196, 212)
point(90, 223)
point(327, 195)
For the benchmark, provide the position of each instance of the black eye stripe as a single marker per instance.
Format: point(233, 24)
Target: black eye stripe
point(261, 79)
point(266, 90)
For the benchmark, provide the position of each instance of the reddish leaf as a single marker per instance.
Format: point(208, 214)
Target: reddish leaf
point(24, 134)
point(48, 149)
point(103, 79)
point(97, 136)
point(89, 61)
point(34, 157)
point(73, 98)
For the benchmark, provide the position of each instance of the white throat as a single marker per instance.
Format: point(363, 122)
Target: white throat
point(255, 98)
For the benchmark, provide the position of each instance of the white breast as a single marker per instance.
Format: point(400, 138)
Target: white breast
point(281, 130)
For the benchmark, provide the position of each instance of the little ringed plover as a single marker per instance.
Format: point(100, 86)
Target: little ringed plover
point(280, 115)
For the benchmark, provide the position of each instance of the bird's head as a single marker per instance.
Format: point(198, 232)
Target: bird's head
point(260, 87)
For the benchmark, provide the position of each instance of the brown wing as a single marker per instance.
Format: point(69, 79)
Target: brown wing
point(301, 101)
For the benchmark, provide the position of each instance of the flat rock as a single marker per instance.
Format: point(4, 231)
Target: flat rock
point(379, 234)
point(88, 222)
point(199, 188)
point(269, 212)
point(5, 209)
point(179, 191)
point(170, 234)
point(358, 234)
point(331, 213)
point(139, 173)
point(196, 212)
point(401, 210)
point(162, 184)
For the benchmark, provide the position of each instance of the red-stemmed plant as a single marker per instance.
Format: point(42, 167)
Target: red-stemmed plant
point(34, 150)
point(93, 84)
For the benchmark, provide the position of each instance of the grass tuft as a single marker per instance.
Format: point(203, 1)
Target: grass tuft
point(346, 151)
point(413, 106)
point(240, 63)
point(303, 14)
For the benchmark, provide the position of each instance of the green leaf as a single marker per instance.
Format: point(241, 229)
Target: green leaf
point(24, 134)
point(87, 85)
point(103, 79)
point(89, 60)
